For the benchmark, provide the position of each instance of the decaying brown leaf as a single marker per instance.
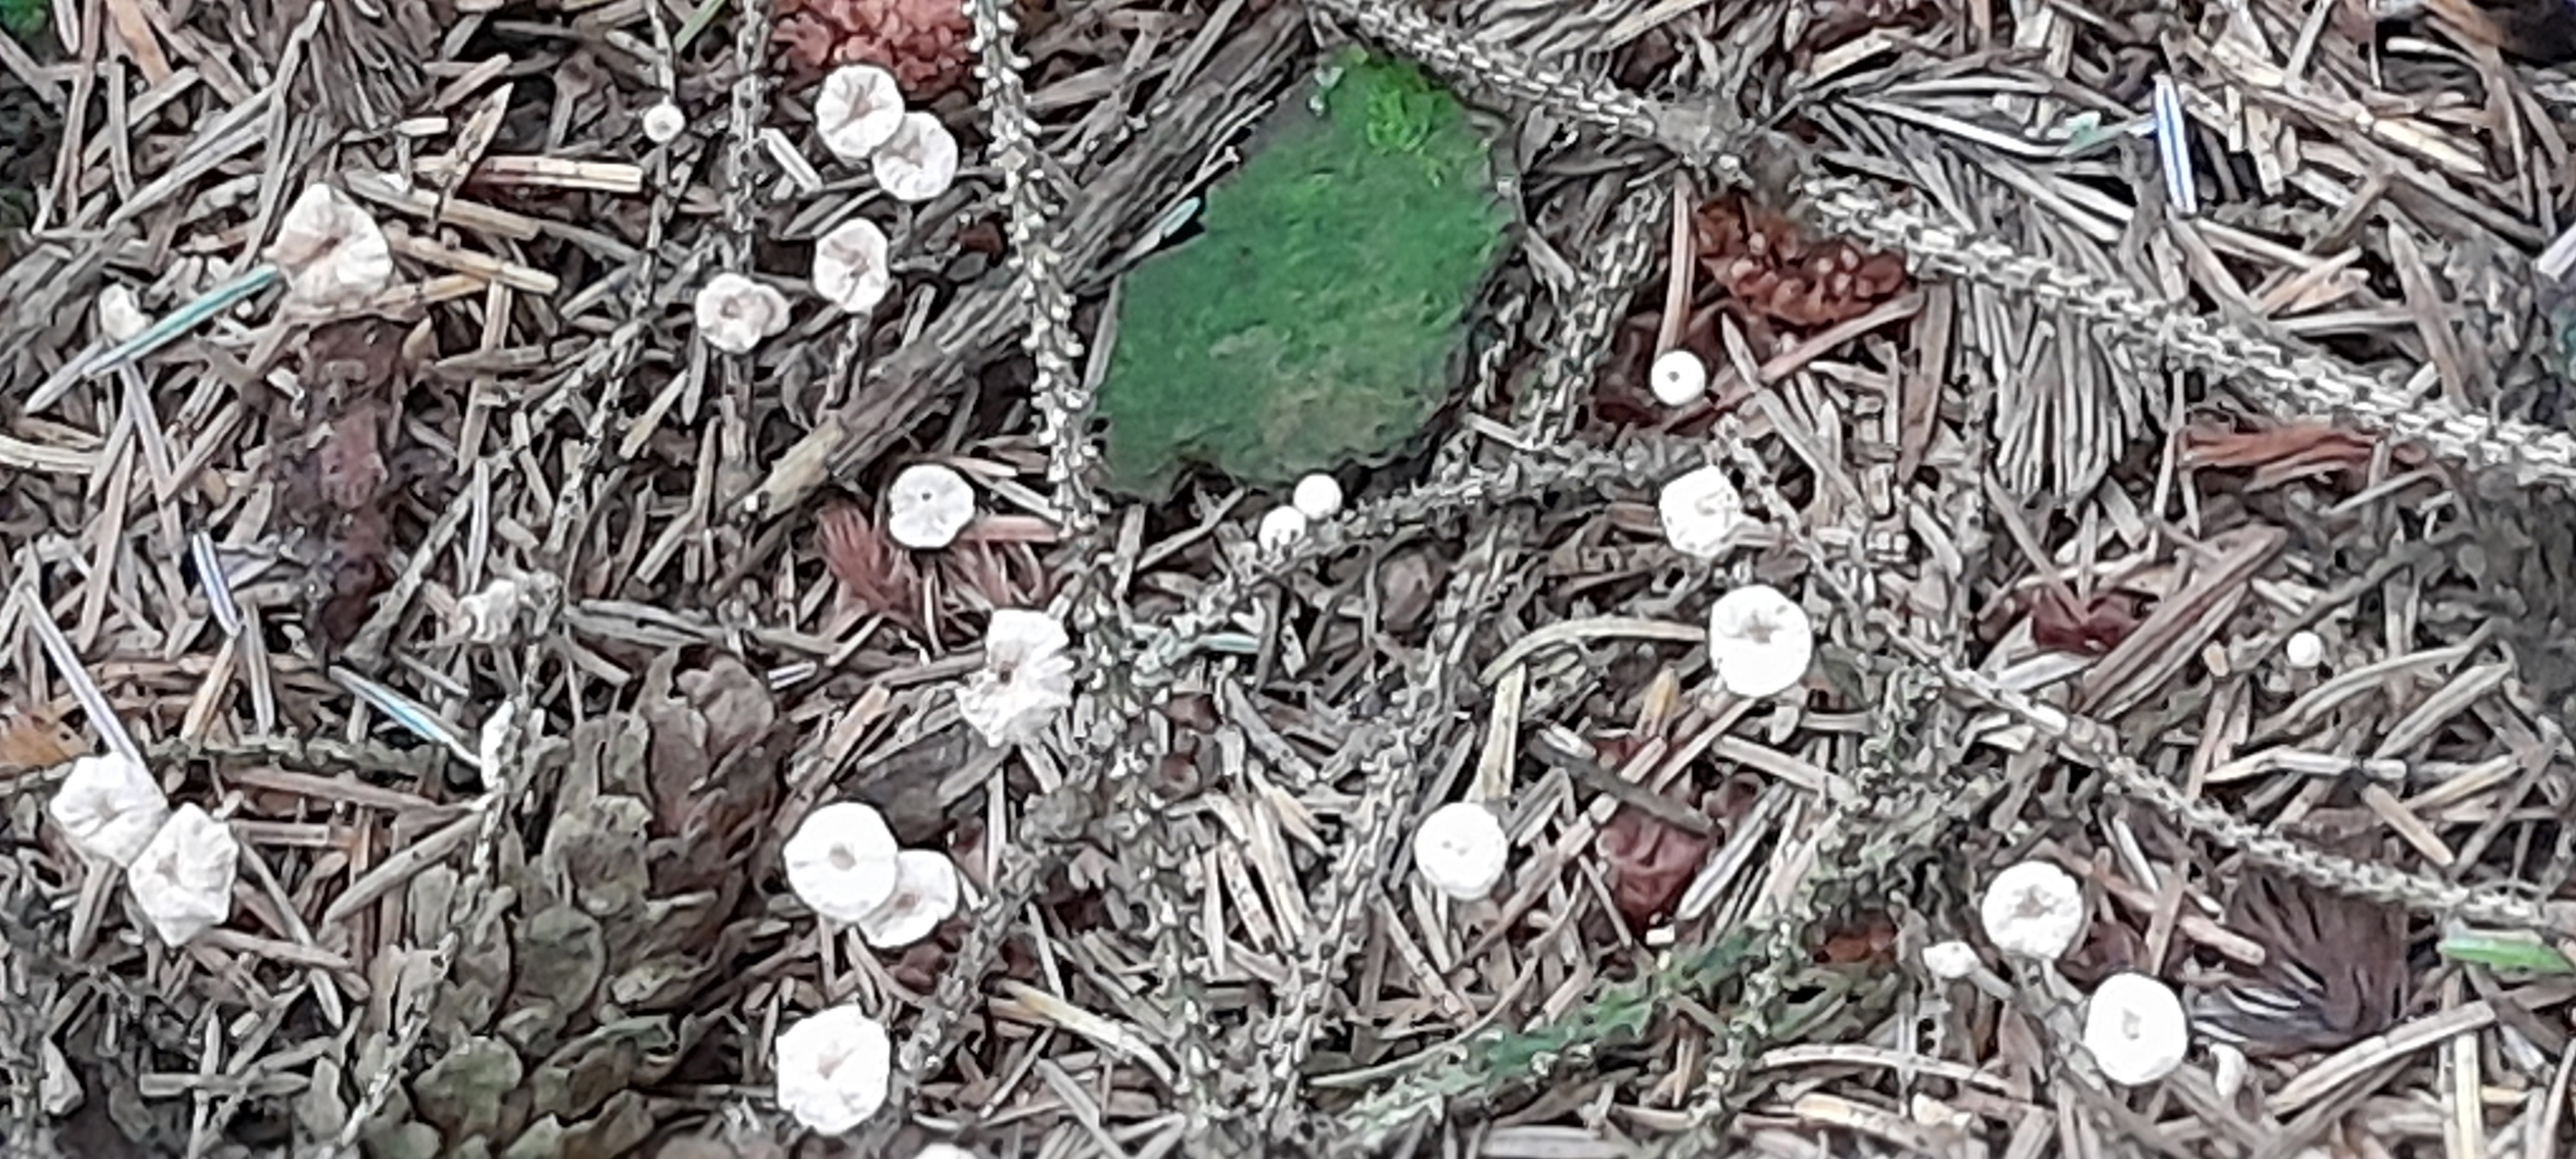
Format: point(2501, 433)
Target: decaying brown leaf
point(2279, 452)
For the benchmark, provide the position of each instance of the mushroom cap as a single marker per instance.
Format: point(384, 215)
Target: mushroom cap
point(2303, 650)
point(183, 880)
point(918, 162)
point(842, 861)
point(1700, 510)
point(333, 254)
point(2033, 909)
point(1462, 850)
point(851, 270)
point(109, 808)
point(1317, 496)
point(664, 122)
point(834, 1068)
point(2135, 1027)
point(1760, 641)
point(1677, 377)
point(858, 110)
point(943, 1151)
point(1026, 678)
point(120, 315)
point(925, 894)
point(734, 312)
point(927, 505)
point(1951, 960)
point(1280, 527)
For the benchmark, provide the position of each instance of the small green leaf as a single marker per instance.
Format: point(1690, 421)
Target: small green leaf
point(2501, 952)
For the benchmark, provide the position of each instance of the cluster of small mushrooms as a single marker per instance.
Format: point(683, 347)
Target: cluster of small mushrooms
point(2134, 1025)
point(859, 113)
point(178, 863)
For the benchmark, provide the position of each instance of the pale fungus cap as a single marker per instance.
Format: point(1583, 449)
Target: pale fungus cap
point(927, 505)
point(858, 110)
point(2033, 909)
point(1026, 679)
point(183, 880)
point(834, 1068)
point(1280, 527)
point(109, 807)
point(735, 312)
point(120, 317)
point(1951, 960)
point(2303, 650)
point(919, 162)
point(842, 862)
point(1317, 496)
point(1760, 641)
point(1678, 378)
point(925, 894)
point(1461, 850)
point(851, 270)
point(2135, 1027)
point(663, 122)
point(333, 254)
point(943, 1151)
point(1700, 511)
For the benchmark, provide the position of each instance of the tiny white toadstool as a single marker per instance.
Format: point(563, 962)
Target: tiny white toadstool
point(2227, 1070)
point(1700, 511)
point(927, 505)
point(842, 861)
point(2135, 1028)
point(734, 312)
point(183, 879)
point(2033, 909)
point(834, 1068)
point(1678, 378)
point(925, 894)
point(1317, 496)
point(334, 256)
point(918, 162)
point(857, 111)
point(1760, 641)
point(1461, 850)
point(1025, 681)
point(663, 122)
point(1280, 527)
point(120, 317)
point(943, 1151)
point(1951, 960)
point(109, 807)
point(850, 267)
point(2303, 650)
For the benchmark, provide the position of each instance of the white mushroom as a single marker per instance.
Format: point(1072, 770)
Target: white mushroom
point(2228, 1067)
point(183, 880)
point(2033, 909)
point(925, 894)
point(333, 255)
point(1026, 680)
point(2135, 1028)
point(1280, 528)
point(927, 506)
point(109, 807)
point(663, 122)
point(1317, 496)
point(120, 317)
point(842, 862)
point(1951, 960)
point(858, 110)
point(919, 162)
point(735, 312)
point(1461, 850)
point(2303, 650)
point(1678, 378)
point(850, 266)
point(943, 1151)
point(1760, 641)
point(833, 1069)
point(1700, 510)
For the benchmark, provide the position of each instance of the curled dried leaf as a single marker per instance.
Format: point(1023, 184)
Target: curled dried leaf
point(1651, 861)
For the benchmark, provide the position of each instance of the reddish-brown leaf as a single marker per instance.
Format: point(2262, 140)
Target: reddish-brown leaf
point(2280, 452)
point(2090, 625)
point(1770, 268)
point(1651, 861)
